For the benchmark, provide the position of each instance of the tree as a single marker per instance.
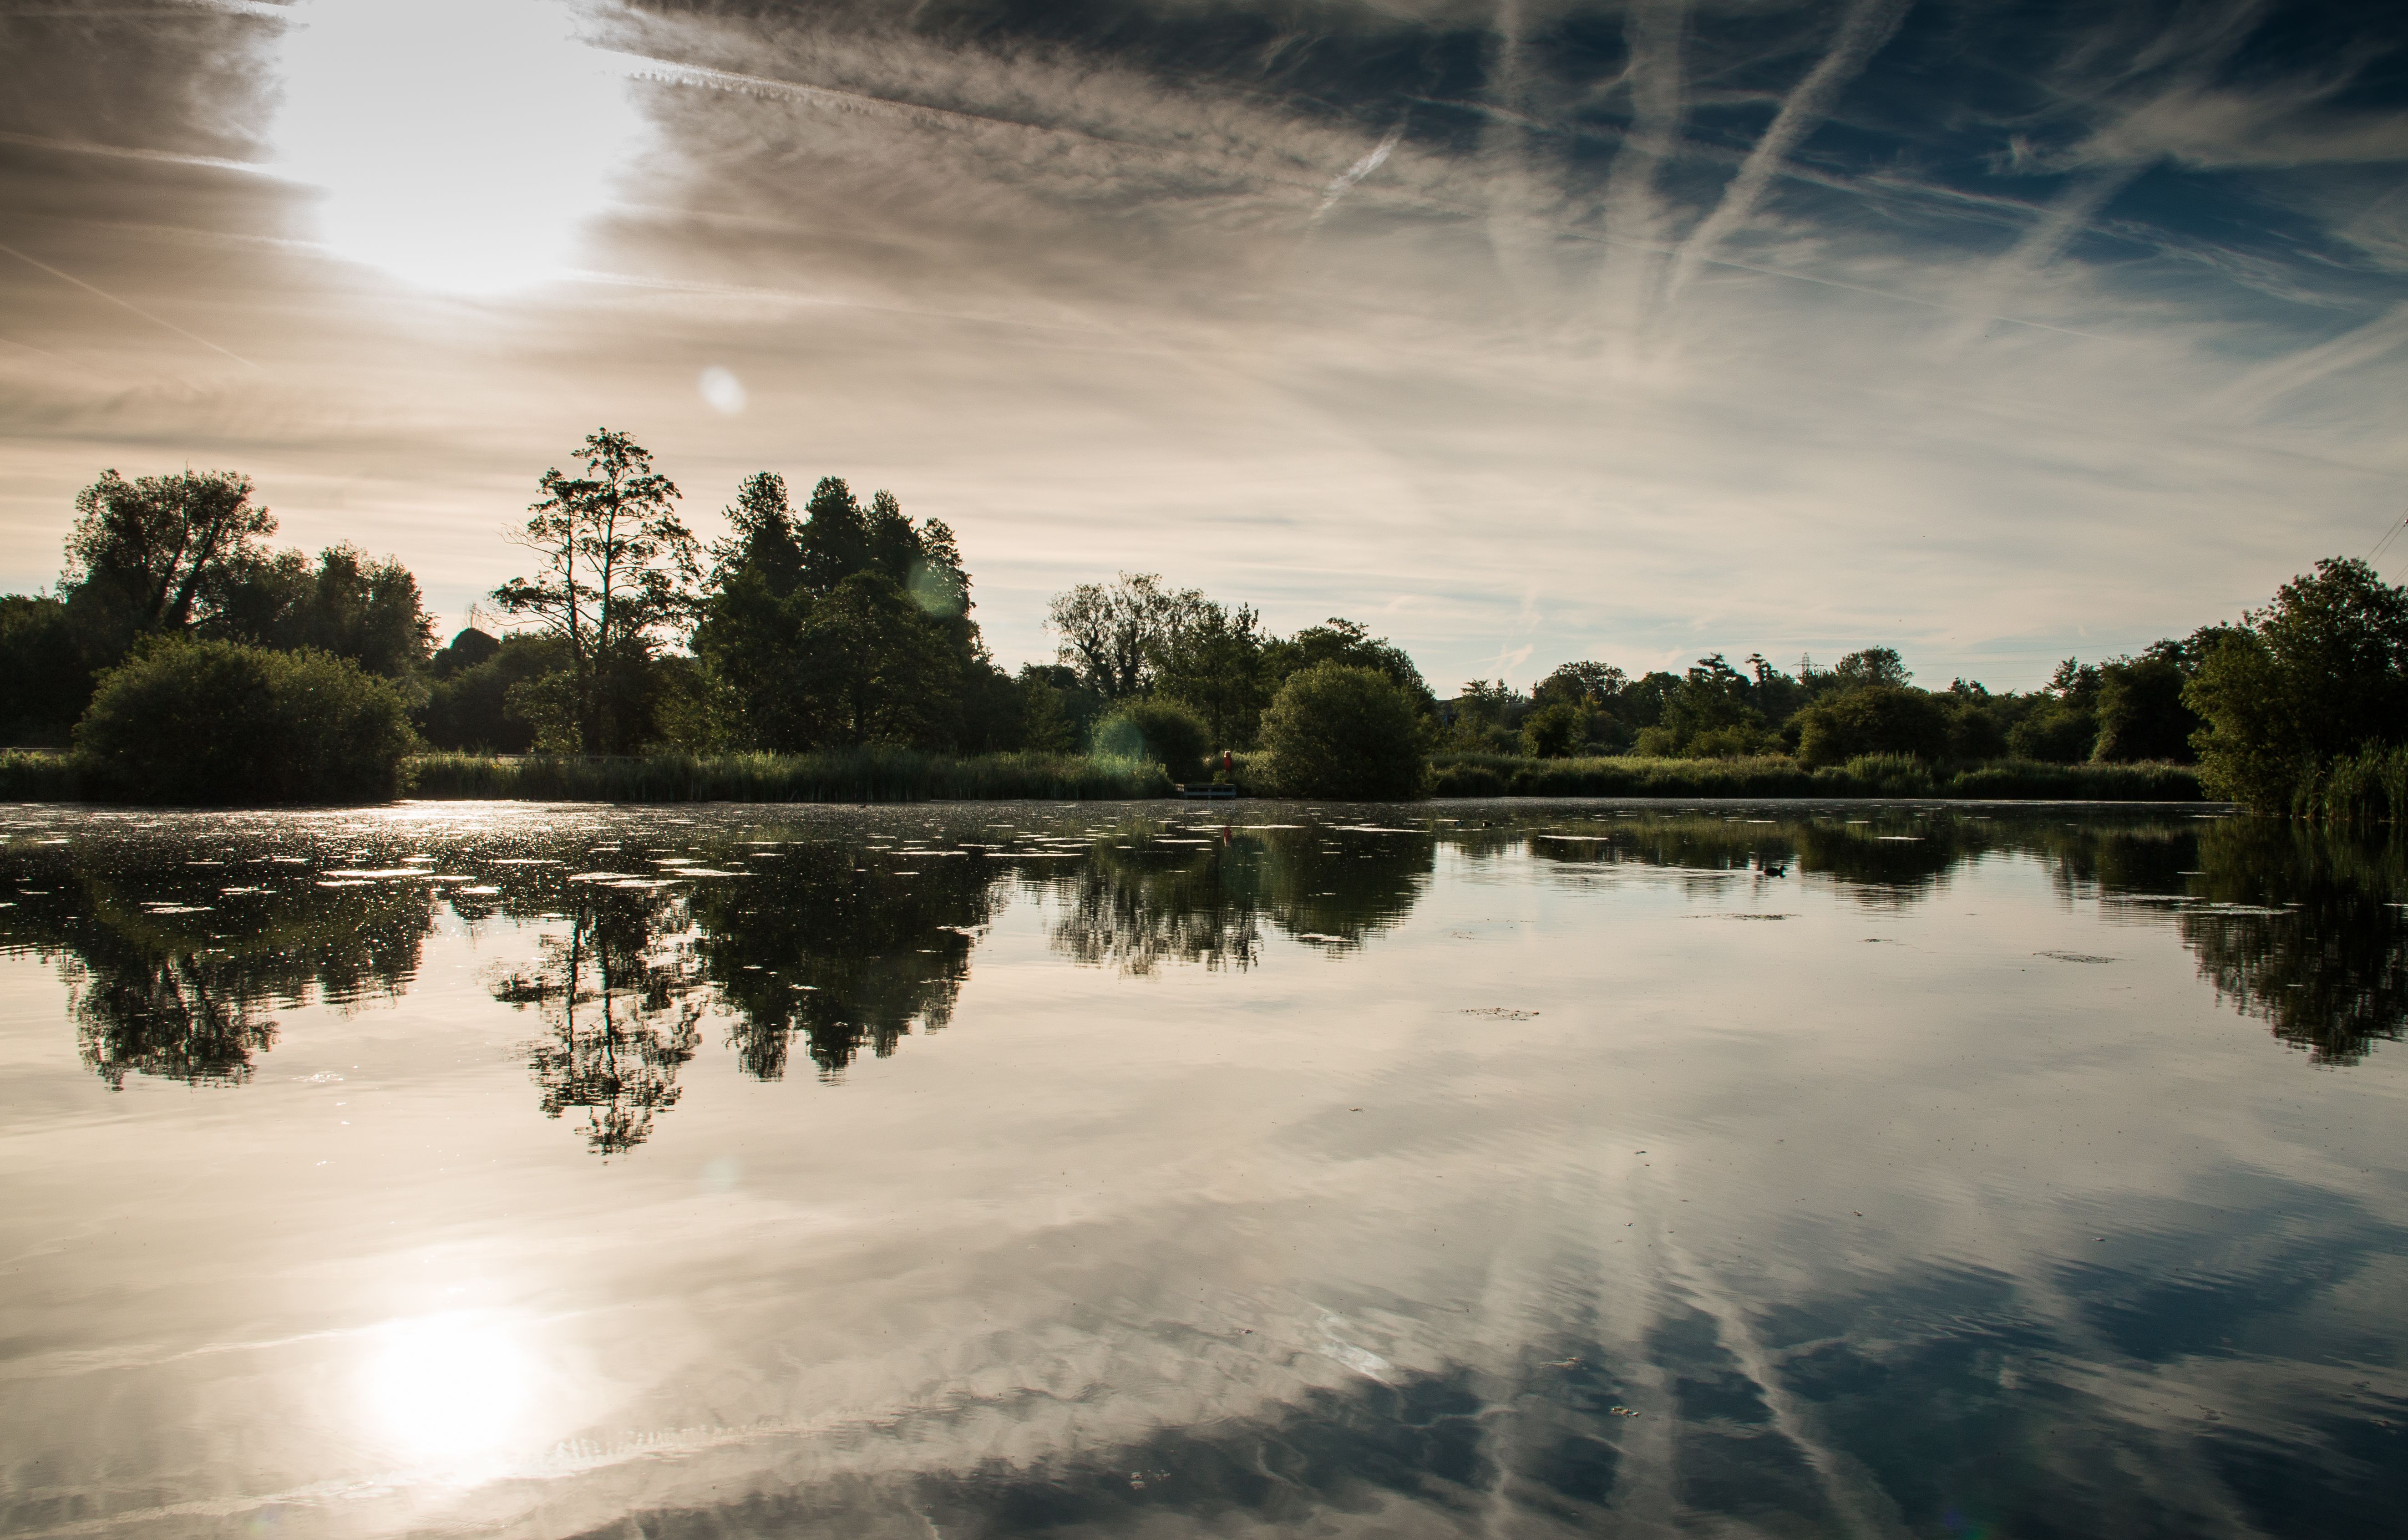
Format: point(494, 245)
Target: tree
point(156, 544)
point(1873, 719)
point(873, 670)
point(1114, 637)
point(347, 604)
point(789, 673)
point(1349, 643)
point(2140, 712)
point(470, 706)
point(1214, 663)
point(1556, 729)
point(217, 722)
point(1339, 729)
point(619, 567)
point(2319, 673)
point(1590, 684)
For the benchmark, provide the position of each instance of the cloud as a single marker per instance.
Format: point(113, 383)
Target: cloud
point(1070, 292)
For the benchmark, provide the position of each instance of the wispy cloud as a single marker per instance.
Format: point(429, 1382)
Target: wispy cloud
point(1865, 26)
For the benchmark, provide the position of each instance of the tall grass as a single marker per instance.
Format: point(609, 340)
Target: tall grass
point(2370, 786)
point(37, 775)
point(1869, 775)
point(872, 774)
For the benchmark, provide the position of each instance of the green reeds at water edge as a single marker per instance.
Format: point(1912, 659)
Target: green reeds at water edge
point(2370, 786)
point(870, 774)
point(1869, 775)
point(37, 775)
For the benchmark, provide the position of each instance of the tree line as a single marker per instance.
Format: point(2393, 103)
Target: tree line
point(846, 623)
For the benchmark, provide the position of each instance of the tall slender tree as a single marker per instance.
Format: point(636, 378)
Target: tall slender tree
point(620, 568)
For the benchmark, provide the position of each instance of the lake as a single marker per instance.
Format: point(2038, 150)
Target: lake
point(1007, 1168)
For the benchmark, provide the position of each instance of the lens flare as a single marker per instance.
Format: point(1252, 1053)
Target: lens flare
point(463, 145)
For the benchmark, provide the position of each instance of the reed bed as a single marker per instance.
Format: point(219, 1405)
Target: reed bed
point(37, 775)
point(876, 774)
point(1870, 775)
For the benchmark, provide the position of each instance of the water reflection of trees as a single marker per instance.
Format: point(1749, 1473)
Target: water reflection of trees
point(840, 952)
point(172, 976)
point(1889, 859)
point(1145, 896)
point(2303, 928)
point(621, 993)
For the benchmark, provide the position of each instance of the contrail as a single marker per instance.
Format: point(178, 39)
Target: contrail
point(1866, 27)
point(2047, 239)
point(2359, 345)
point(127, 152)
point(1364, 167)
point(1658, 106)
point(138, 309)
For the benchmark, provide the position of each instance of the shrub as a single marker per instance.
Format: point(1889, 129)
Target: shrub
point(217, 722)
point(1553, 731)
point(1340, 730)
point(1161, 732)
point(1877, 719)
point(2319, 674)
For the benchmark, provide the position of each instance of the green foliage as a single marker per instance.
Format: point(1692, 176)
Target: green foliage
point(1887, 719)
point(46, 662)
point(36, 776)
point(872, 773)
point(1114, 637)
point(2318, 675)
point(618, 568)
point(1339, 729)
point(468, 706)
point(157, 545)
point(2055, 733)
point(1557, 729)
point(1215, 664)
point(347, 604)
point(218, 722)
point(873, 670)
point(1158, 732)
point(1871, 775)
point(1347, 644)
point(851, 628)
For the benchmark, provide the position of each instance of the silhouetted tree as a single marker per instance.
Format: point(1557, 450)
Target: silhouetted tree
point(619, 568)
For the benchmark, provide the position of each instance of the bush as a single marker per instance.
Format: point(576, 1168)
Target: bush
point(1878, 719)
point(1554, 730)
point(1341, 730)
point(1161, 732)
point(217, 722)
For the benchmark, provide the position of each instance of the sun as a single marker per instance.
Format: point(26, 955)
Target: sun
point(461, 145)
point(454, 1391)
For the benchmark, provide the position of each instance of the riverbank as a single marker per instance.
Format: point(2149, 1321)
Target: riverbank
point(880, 774)
point(1874, 776)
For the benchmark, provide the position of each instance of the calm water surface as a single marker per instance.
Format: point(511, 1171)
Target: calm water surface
point(1019, 1169)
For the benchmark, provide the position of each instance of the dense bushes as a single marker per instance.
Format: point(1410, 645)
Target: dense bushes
point(1158, 731)
point(1874, 719)
point(2318, 677)
point(1342, 731)
point(215, 722)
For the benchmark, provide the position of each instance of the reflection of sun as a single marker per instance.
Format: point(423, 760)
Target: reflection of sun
point(453, 1389)
point(461, 144)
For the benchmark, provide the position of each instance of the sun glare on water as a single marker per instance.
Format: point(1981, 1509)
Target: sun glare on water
point(462, 144)
point(456, 1391)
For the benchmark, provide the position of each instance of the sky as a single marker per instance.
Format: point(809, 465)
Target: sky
point(1520, 331)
